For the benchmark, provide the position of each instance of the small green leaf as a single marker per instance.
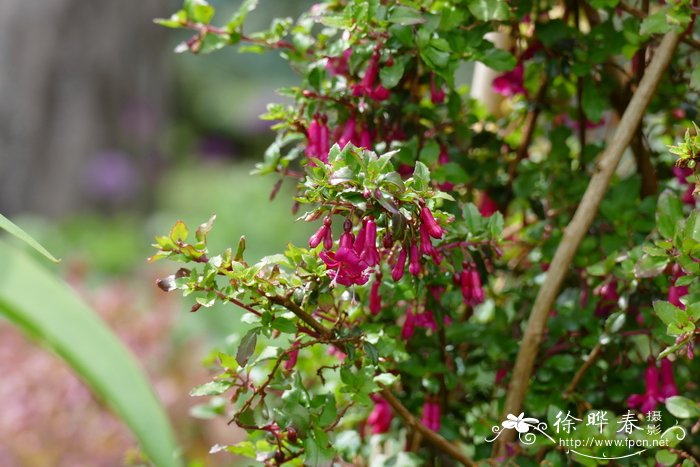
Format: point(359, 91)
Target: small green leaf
point(669, 211)
point(179, 232)
point(405, 16)
point(15, 230)
point(682, 407)
point(391, 76)
point(247, 347)
point(212, 388)
point(284, 325)
point(593, 101)
point(421, 176)
point(386, 379)
point(489, 10)
point(667, 312)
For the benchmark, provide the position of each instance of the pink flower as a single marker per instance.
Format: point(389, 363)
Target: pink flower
point(409, 325)
point(369, 253)
point(321, 234)
point(431, 414)
point(414, 260)
point(375, 300)
point(431, 225)
point(675, 292)
point(444, 158)
point(647, 401)
point(426, 320)
point(348, 135)
point(366, 86)
point(608, 298)
point(334, 351)
point(345, 265)
point(437, 94)
point(487, 206)
point(510, 83)
point(470, 283)
point(398, 269)
point(318, 142)
point(655, 391)
point(380, 417)
point(426, 246)
point(339, 65)
point(668, 383)
point(293, 356)
point(365, 138)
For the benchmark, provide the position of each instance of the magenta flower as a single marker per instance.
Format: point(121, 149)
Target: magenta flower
point(608, 298)
point(510, 83)
point(431, 414)
point(367, 86)
point(380, 418)
point(318, 142)
point(360, 239)
point(668, 383)
point(675, 292)
point(293, 356)
point(321, 234)
point(375, 300)
point(647, 401)
point(345, 265)
point(431, 225)
point(444, 158)
point(426, 246)
point(470, 283)
point(414, 260)
point(409, 325)
point(655, 391)
point(365, 138)
point(339, 65)
point(437, 94)
point(398, 269)
point(369, 253)
point(487, 206)
point(426, 320)
point(348, 134)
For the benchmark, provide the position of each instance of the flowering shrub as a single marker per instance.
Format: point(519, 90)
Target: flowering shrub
point(474, 258)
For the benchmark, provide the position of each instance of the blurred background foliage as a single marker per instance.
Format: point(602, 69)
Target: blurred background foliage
point(128, 131)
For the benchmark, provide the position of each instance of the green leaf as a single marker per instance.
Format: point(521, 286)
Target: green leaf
point(650, 266)
point(655, 23)
point(15, 230)
point(239, 17)
point(593, 101)
point(199, 11)
point(391, 76)
point(405, 16)
point(489, 10)
point(682, 407)
point(179, 232)
point(61, 321)
point(667, 312)
point(247, 347)
point(421, 176)
point(212, 388)
point(669, 211)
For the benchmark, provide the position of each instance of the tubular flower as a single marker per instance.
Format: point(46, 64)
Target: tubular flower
point(668, 383)
point(510, 83)
point(398, 269)
point(608, 298)
point(321, 234)
point(409, 325)
point(365, 138)
point(375, 300)
point(369, 252)
point(656, 391)
point(380, 417)
point(487, 206)
point(348, 135)
point(470, 283)
point(366, 86)
point(339, 65)
point(293, 356)
point(318, 143)
point(426, 320)
point(676, 292)
point(432, 227)
point(437, 94)
point(444, 158)
point(345, 265)
point(426, 246)
point(414, 260)
point(431, 414)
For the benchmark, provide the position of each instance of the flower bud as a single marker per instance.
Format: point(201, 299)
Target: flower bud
point(398, 269)
point(414, 261)
point(433, 228)
point(375, 300)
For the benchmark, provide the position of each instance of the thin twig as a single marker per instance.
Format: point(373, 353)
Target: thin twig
point(581, 371)
point(576, 230)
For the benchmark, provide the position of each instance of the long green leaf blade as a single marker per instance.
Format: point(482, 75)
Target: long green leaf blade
point(47, 309)
point(10, 227)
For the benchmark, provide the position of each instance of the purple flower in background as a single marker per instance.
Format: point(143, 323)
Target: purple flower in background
point(668, 383)
point(111, 175)
point(647, 401)
point(608, 298)
point(398, 269)
point(431, 414)
point(375, 300)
